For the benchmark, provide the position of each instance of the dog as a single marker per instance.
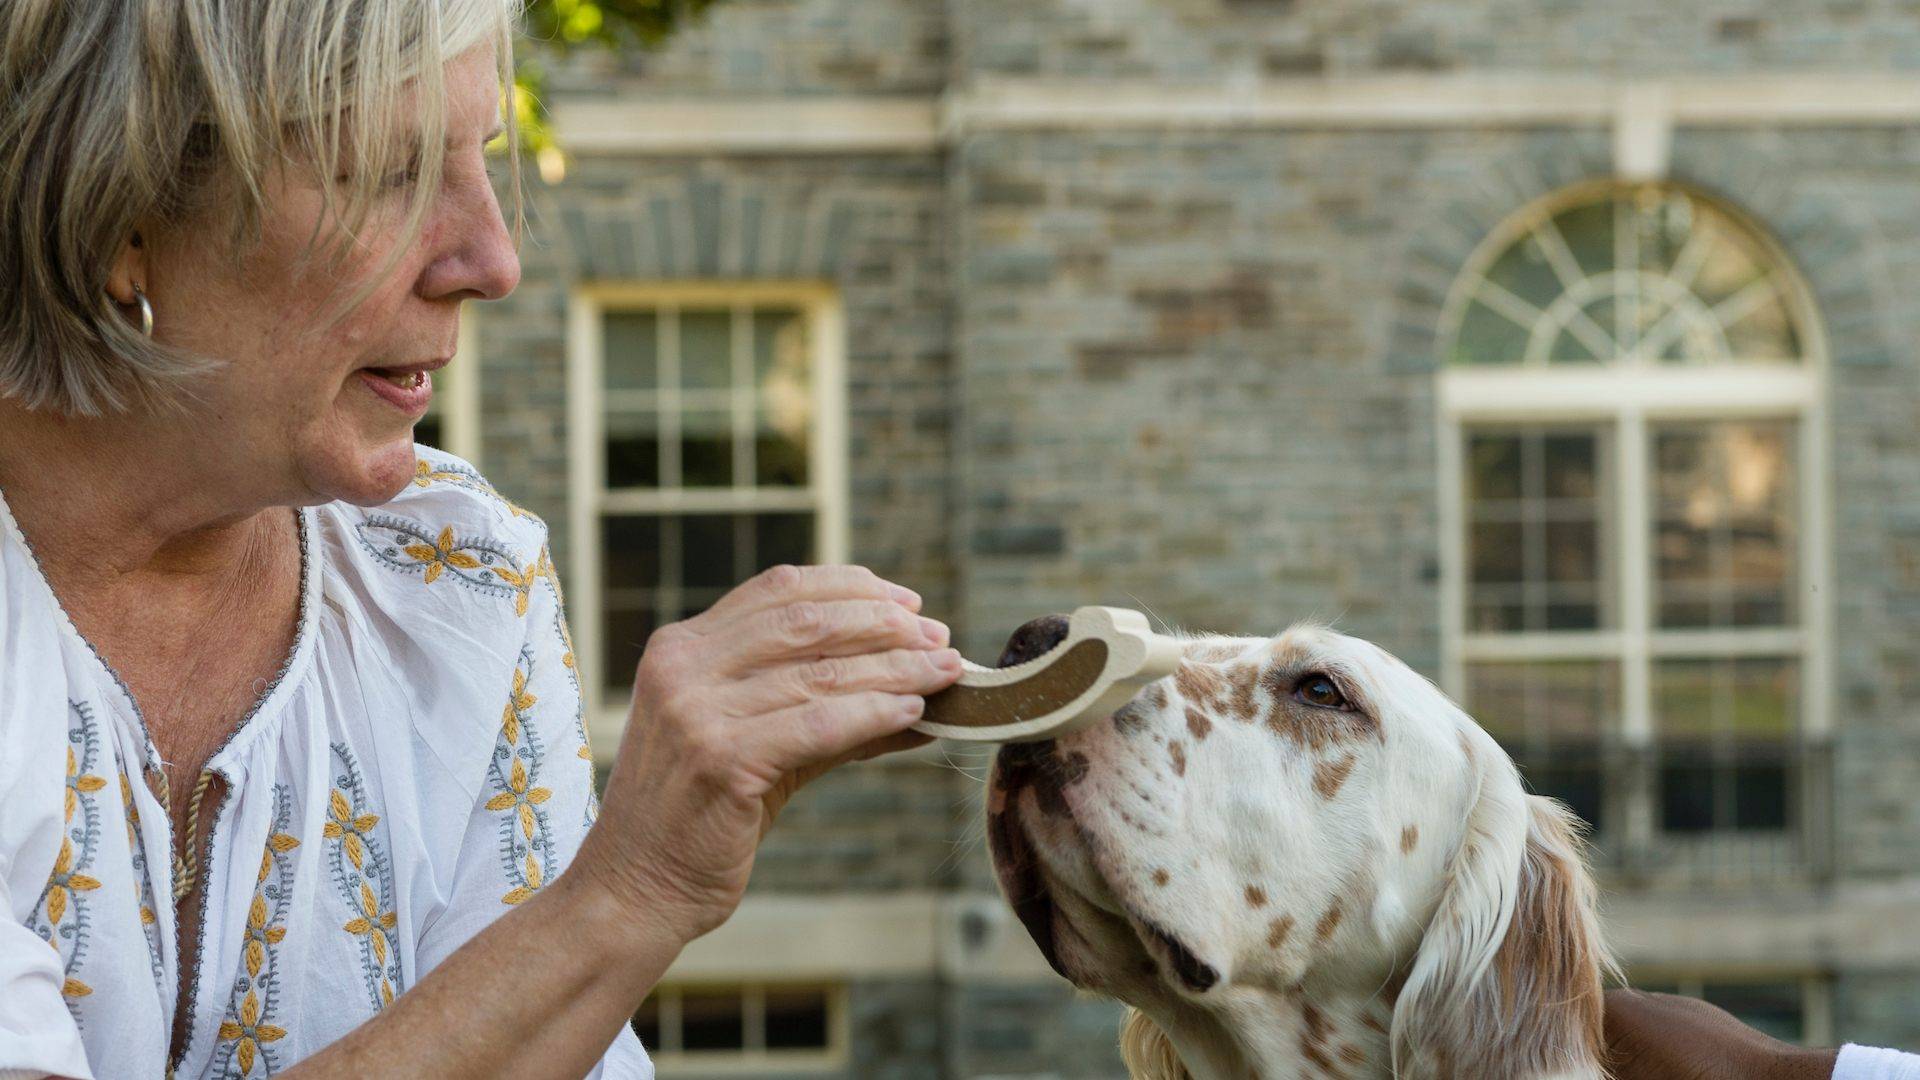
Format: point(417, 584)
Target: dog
point(1296, 858)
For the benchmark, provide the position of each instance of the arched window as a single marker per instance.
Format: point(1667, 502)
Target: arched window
point(1631, 459)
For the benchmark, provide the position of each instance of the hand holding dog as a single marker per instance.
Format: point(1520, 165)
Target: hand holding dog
point(791, 674)
point(1664, 1037)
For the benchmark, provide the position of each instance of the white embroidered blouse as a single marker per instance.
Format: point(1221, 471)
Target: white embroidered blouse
point(420, 766)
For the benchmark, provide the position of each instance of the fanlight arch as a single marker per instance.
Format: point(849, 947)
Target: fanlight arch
point(1613, 273)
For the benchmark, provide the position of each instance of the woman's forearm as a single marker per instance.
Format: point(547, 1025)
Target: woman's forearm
point(540, 993)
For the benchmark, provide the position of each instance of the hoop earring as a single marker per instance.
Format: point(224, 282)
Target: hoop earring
point(146, 312)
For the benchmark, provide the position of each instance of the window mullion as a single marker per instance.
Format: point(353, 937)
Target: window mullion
point(1632, 497)
point(1632, 494)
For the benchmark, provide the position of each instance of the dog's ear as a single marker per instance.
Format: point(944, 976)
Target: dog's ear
point(1508, 976)
point(1147, 1051)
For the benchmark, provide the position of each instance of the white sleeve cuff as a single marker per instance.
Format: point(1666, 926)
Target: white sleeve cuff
point(1867, 1063)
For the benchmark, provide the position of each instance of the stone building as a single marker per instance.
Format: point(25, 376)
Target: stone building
point(1568, 349)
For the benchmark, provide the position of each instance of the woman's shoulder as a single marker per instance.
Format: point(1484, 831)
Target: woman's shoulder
point(450, 544)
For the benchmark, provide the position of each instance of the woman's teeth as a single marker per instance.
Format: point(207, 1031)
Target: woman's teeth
point(406, 380)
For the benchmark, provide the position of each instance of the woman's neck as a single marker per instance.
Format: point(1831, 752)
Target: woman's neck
point(118, 504)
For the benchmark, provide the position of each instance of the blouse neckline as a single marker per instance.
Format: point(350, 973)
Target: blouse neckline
point(268, 704)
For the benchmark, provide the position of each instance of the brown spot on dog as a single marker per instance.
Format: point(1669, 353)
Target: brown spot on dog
point(1409, 838)
point(1198, 724)
point(1161, 877)
point(1179, 755)
point(1329, 775)
point(1278, 930)
point(1319, 1057)
point(1352, 1054)
point(1197, 683)
point(1373, 1022)
point(1328, 923)
point(1240, 685)
point(1315, 1025)
point(1256, 896)
point(1316, 728)
point(1155, 696)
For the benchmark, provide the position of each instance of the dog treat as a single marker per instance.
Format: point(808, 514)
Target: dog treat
point(1107, 656)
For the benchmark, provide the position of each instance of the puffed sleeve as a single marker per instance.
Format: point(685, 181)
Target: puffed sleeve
point(1868, 1063)
point(38, 1036)
point(536, 800)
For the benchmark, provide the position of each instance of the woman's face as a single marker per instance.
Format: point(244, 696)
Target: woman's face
point(297, 411)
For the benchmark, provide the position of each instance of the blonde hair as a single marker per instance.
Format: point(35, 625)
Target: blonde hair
point(118, 112)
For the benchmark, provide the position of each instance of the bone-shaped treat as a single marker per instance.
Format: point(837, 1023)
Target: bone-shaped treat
point(1107, 656)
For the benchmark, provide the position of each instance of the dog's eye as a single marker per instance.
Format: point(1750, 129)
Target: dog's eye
point(1319, 690)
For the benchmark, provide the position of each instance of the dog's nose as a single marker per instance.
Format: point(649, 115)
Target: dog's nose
point(1034, 639)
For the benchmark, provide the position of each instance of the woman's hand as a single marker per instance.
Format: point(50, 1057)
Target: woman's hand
point(1663, 1037)
point(796, 671)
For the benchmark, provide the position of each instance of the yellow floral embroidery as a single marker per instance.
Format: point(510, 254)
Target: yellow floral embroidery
point(425, 474)
point(526, 842)
point(79, 785)
point(245, 1032)
point(59, 916)
point(519, 798)
point(441, 554)
point(349, 828)
point(364, 876)
point(522, 582)
point(250, 1032)
point(374, 925)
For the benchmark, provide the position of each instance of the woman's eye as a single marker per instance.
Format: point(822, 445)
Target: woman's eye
point(1320, 691)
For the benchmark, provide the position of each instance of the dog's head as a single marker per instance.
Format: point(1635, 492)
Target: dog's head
point(1298, 846)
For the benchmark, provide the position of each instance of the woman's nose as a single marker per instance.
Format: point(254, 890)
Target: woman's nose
point(1034, 639)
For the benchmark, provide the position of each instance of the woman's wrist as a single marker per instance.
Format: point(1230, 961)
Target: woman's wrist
point(639, 940)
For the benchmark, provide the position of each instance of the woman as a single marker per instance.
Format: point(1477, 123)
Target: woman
point(293, 756)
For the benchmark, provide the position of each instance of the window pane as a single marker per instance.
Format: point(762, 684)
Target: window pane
point(1488, 337)
point(797, 1019)
point(1497, 554)
point(631, 340)
point(712, 1020)
point(780, 453)
point(1535, 513)
point(1493, 467)
point(782, 538)
point(1723, 499)
point(1588, 231)
point(708, 555)
point(630, 552)
point(633, 449)
point(1570, 469)
point(1777, 1008)
point(780, 361)
point(1687, 802)
point(624, 633)
point(1525, 272)
point(706, 448)
point(1760, 797)
point(706, 350)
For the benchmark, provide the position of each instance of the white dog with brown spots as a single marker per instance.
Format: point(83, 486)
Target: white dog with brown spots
point(1296, 858)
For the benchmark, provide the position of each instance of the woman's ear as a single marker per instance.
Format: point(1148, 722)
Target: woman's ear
point(129, 270)
point(1508, 977)
point(1147, 1051)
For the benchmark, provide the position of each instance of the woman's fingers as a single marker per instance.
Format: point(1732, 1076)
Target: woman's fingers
point(896, 671)
point(808, 629)
point(783, 585)
point(794, 739)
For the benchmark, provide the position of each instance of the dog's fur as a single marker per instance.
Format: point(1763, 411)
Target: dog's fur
point(1280, 889)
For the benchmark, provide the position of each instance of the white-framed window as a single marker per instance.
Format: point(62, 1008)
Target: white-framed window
point(452, 420)
point(706, 441)
point(1791, 1006)
point(745, 1027)
point(1632, 459)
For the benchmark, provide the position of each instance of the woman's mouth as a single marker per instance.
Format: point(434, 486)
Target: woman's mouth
point(408, 391)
